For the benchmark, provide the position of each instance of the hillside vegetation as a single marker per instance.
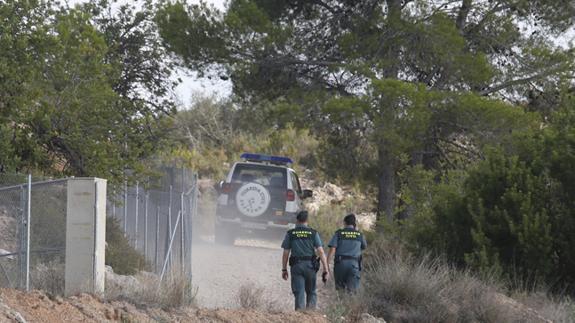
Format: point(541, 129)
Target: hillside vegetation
point(454, 119)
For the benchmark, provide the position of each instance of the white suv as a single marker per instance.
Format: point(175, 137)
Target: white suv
point(260, 194)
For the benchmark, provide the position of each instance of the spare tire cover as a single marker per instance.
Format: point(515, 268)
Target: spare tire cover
point(252, 199)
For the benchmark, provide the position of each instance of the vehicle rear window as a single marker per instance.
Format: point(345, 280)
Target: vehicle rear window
point(261, 174)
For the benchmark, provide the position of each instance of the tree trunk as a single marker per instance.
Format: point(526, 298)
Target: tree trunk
point(463, 13)
point(386, 184)
point(386, 165)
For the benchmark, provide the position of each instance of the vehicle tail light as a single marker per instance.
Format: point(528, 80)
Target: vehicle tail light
point(227, 188)
point(290, 195)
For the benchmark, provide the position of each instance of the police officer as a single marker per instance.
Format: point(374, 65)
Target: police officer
point(300, 247)
point(346, 245)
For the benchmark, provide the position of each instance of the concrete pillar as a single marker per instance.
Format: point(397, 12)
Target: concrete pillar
point(85, 236)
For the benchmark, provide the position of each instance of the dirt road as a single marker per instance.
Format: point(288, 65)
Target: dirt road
point(220, 271)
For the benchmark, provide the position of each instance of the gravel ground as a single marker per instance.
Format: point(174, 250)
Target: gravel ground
point(220, 271)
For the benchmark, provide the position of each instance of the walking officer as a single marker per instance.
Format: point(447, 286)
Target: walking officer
point(346, 245)
point(301, 245)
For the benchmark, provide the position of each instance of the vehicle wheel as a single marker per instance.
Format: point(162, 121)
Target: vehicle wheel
point(224, 236)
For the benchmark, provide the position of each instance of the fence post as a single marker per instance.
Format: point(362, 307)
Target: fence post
point(22, 246)
point(182, 227)
point(85, 236)
point(170, 211)
point(125, 208)
point(166, 252)
point(192, 209)
point(114, 205)
point(146, 196)
point(136, 219)
point(191, 202)
point(157, 249)
point(28, 216)
point(182, 231)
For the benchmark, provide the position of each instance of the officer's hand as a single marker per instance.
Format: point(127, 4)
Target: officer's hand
point(285, 275)
point(325, 276)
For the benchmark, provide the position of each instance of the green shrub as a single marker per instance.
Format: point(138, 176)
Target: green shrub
point(511, 214)
point(120, 255)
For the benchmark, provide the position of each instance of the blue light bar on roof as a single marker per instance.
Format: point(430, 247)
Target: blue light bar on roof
point(266, 158)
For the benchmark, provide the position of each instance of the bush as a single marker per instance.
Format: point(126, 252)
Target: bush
point(175, 291)
point(146, 290)
point(401, 287)
point(508, 217)
point(120, 255)
point(345, 308)
point(48, 277)
point(555, 309)
point(252, 297)
point(513, 213)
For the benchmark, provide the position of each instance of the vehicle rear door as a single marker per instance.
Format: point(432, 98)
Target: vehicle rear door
point(272, 178)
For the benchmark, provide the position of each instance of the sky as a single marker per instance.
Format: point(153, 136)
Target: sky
point(191, 85)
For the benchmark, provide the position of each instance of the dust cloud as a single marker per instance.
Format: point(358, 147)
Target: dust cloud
point(220, 271)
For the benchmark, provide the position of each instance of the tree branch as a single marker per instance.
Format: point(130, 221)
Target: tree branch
point(326, 6)
point(291, 61)
point(523, 80)
point(498, 7)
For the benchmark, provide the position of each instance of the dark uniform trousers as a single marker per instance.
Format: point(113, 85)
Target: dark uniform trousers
point(303, 282)
point(347, 275)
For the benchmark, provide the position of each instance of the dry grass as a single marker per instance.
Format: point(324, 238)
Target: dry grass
point(253, 297)
point(345, 308)
point(403, 288)
point(556, 309)
point(400, 289)
point(48, 278)
point(146, 290)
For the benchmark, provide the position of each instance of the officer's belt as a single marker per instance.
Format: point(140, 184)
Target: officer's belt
point(302, 258)
point(294, 259)
point(338, 258)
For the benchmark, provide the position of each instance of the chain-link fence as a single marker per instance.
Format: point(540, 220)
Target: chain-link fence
point(32, 256)
point(157, 219)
